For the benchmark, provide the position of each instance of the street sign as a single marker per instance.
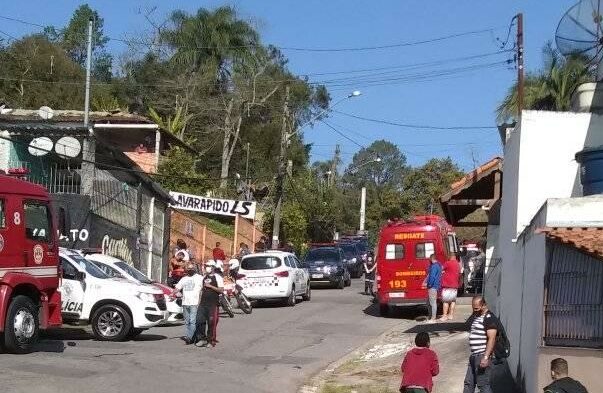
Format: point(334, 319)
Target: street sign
point(223, 207)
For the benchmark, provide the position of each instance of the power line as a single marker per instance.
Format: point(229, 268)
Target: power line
point(342, 134)
point(291, 48)
point(419, 126)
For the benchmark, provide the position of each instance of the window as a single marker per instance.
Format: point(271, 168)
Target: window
point(292, 262)
point(324, 255)
point(2, 214)
point(69, 272)
point(108, 270)
point(453, 247)
point(259, 263)
point(37, 221)
point(394, 251)
point(424, 250)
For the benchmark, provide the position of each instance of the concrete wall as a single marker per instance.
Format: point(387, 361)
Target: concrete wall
point(492, 273)
point(585, 365)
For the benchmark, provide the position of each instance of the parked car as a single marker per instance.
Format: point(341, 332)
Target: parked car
point(274, 275)
point(115, 267)
point(352, 258)
point(116, 308)
point(326, 265)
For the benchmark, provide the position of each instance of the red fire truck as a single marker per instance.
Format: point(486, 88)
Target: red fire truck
point(403, 252)
point(29, 300)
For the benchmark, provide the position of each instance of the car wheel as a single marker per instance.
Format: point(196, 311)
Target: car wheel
point(291, 299)
point(308, 295)
point(383, 310)
point(111, 323)
point(22, 326)
point(341, 283)
point(348, 283)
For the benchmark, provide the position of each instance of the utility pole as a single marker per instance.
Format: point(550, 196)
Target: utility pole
point(334, 165)
point(88, 68)
point(520, 71)
point(247, 187)
point(280, 176)
point(362, 209)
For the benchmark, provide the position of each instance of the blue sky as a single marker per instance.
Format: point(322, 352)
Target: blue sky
point(465, 99)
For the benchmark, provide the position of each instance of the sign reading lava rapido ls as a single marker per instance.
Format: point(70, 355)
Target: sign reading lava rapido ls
point(224, 207)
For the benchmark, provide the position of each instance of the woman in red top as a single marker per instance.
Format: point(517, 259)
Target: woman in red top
point(419, 367)
point(450, 284)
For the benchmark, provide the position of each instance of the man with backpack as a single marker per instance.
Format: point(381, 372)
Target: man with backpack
point(487, 340)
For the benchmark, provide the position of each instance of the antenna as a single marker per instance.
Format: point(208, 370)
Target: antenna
point(68, 147)
point(580, 33)
point(46, 112)
point(40, 146)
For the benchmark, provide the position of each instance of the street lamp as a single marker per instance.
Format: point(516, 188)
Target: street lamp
point(363, 193)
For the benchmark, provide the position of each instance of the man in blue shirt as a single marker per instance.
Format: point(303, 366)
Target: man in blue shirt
point(433, 282)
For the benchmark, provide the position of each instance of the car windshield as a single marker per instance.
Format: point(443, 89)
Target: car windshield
point(133, 272)
point(348, 249)
point(88, 266)
point(321, 256)
point(260, 263)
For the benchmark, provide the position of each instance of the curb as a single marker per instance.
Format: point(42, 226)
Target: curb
point(316, 382)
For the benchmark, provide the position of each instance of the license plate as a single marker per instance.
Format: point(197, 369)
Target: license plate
point(317, 276)
point(397, 294)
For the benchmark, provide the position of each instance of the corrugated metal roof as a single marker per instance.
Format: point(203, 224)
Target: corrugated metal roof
point(60, 116)
point(589, 239)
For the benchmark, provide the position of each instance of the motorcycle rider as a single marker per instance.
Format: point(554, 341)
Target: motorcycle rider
point(369, 273)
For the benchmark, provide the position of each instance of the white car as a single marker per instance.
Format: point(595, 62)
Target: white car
point(116, 267)
point(274, 275)
point(116, 308)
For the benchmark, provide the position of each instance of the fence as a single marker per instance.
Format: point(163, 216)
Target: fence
point(481, 275)
point(57, 178)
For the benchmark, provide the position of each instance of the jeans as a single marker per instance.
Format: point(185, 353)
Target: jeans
point(190, 320)
point(207, 323)
point(433, 302)
point(477, 376)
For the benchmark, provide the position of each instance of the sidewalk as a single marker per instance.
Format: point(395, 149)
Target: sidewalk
point(375, 367)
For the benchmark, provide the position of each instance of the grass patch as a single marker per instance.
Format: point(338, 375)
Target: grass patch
point(346, 367)
point(330, 388)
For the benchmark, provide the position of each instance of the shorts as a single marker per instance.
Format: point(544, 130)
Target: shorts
point(449, 295)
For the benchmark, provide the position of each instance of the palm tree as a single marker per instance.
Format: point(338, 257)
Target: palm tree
point(212, 41)
point(550, 88)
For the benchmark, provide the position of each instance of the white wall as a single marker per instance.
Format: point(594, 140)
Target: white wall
point(492, 274)
point(538, 164)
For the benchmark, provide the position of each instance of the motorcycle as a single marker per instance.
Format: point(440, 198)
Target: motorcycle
point(234, 290)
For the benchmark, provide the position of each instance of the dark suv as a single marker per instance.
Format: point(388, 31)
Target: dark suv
point(352, 256)
point(326, 265)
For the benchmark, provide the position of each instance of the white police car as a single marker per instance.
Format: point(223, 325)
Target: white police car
point(116, 267)
point(116, 308)
point(274, 275)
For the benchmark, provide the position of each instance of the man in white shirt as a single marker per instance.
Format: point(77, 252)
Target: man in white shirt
point(190, 285)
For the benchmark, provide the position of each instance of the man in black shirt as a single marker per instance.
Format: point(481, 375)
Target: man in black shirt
point(482, 338)
point(207, 312)
point(561, 382)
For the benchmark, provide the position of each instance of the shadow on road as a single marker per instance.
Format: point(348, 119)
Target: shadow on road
point(53, 339)
point(450, 327)
point(410, 313)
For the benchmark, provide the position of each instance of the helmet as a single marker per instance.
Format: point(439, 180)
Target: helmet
point(234, 263)
point(211, 262)
point(219, 264)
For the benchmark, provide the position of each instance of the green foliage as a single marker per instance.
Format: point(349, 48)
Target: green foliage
point(294, 224)
point(175, 124)
point(550, 88)
point(381, 164)
point(177, 172)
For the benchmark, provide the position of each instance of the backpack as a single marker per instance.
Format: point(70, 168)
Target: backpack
point(502, 346)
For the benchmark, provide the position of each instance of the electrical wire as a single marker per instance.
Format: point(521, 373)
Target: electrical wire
point(419, 126)
point(342, 134)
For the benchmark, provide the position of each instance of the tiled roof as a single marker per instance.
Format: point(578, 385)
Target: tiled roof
point(74, 116)
point(477, 173)
point(589, 239)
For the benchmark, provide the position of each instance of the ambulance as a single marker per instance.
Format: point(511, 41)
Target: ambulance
point(116, 308)
point(402, 257)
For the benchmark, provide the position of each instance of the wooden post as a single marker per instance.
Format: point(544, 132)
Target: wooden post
point(236, 235)
point(204, 245)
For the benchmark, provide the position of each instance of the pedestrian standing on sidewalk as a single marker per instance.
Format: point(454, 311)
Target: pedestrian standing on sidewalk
point(190, 286)
point(207, 312)
point(433, 282)
point(218, 253)
point(369, 274)
point(419, 367)
point(482, 339)
point(450, 284)
point(562, 383)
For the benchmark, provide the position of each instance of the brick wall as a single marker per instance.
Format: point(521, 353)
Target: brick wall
point(201, 240)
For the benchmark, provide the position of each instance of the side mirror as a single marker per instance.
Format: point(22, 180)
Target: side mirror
point(80, 276)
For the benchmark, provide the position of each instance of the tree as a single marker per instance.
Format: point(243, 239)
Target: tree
point(35, 71)
point(424, 185)
point(550, 88)
point(365, 170)
point(177, 172)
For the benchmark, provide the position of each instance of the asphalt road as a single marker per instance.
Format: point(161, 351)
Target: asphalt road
point(272, 350)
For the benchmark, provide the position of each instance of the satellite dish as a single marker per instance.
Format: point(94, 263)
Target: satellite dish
point(46, 112)
point(580, 32)
point(68, 147)
point(40, 146)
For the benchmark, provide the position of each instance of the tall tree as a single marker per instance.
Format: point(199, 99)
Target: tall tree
point(382, 163)
point(550, 88)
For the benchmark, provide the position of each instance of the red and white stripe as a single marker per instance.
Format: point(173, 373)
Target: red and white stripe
point(36, 271)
